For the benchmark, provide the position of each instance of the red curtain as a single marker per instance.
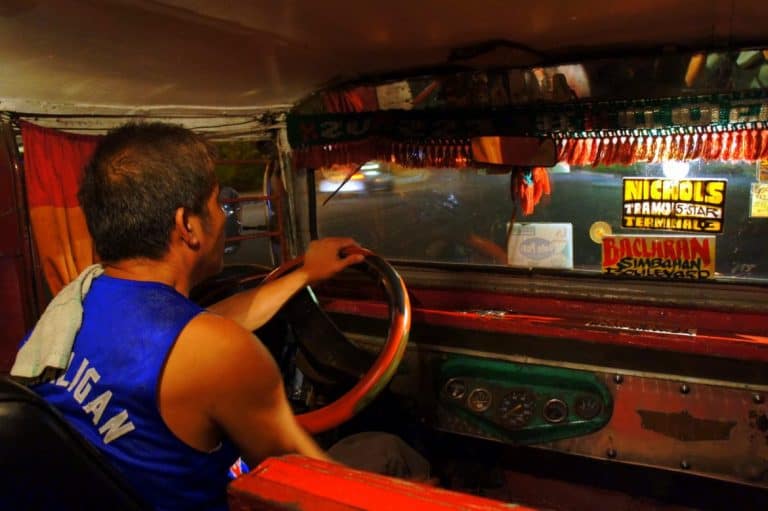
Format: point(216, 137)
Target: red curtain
point(53, 166)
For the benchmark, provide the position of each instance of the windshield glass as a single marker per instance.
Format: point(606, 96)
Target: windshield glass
point(673, 220)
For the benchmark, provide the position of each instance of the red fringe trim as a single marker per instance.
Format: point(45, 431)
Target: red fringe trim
point(745, 145)
point(453, 154)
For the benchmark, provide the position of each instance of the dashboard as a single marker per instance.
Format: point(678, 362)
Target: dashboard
point(520, 403)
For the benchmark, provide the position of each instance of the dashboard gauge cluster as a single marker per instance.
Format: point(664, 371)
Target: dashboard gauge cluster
point(514, 408)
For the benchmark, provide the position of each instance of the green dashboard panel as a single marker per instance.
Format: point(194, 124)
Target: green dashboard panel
point(519, 403)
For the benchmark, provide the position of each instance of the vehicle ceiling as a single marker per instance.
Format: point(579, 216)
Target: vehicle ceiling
point(138, 56)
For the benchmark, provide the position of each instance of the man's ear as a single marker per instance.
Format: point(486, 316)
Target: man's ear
point(183, 227)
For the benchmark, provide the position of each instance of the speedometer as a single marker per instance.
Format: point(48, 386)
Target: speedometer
point(516, 408)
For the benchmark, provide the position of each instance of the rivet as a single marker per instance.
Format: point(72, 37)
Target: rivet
point(757, 398)
point(611, 452)
point(618, 379)
point(685, 465)
point(684, 389)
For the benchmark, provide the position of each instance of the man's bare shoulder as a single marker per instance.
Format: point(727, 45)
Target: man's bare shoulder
point(212, 332)
point(214, 354)
point(214, 363)
point(226, 383)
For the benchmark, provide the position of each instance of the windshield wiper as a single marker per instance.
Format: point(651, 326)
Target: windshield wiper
point(346, 179)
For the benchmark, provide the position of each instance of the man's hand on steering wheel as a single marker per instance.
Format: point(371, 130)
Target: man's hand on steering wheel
point(326, 257)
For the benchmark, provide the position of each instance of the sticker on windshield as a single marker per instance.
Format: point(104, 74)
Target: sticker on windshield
point(690, 205)
point(762, 171)
point(758, 207)
point(541, 245)
point(659, 257)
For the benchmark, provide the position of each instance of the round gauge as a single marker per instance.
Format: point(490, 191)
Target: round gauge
point(587, 407)
point(479, 400)
point(516, 408)
point(555, 411)
point(456, 388)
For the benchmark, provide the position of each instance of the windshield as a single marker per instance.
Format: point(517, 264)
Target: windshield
point(673, 220)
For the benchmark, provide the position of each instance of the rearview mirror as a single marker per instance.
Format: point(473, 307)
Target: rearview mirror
point(514, 151)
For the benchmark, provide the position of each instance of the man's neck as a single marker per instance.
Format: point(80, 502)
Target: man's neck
point(150, 270)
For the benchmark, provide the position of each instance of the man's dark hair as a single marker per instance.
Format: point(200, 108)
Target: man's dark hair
point(138, 176)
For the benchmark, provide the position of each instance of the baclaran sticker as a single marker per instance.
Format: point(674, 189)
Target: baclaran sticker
point(660, 257)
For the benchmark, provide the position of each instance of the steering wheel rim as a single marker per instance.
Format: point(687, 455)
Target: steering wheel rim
point(383, 369)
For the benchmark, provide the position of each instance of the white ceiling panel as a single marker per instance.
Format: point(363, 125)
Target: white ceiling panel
point(250, 55)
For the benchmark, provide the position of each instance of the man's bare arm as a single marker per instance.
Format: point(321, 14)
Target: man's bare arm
point(234, 387)
point(254, 307)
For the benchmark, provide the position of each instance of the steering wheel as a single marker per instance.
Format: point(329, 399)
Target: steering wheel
point(383, 369)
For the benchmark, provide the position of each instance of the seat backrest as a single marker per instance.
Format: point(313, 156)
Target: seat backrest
point(46, 464)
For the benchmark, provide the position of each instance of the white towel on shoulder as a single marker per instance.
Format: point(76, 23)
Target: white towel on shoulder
point(46, 353)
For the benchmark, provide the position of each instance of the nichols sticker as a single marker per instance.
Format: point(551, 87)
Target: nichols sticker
point(691, 205)
point(660, 257)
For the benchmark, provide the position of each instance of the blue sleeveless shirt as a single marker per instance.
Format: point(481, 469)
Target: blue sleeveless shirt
point(110, 394)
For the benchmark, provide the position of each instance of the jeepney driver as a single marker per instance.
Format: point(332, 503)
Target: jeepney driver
point(170, 392)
